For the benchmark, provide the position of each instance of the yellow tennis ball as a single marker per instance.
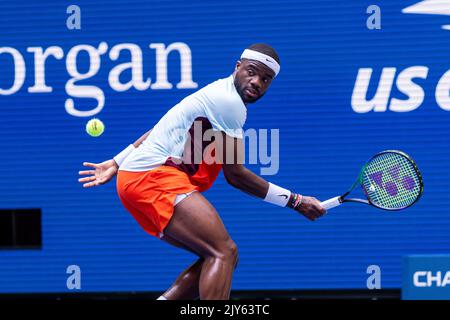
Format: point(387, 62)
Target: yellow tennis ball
point(95, 127)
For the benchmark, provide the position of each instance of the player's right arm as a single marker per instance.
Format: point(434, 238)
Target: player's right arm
point(103, 172)
point(245, 180)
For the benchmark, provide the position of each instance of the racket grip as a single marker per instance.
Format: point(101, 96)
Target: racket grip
point(331, 203)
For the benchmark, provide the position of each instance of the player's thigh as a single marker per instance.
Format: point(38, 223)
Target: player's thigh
point(177, 243)
point(196, 224)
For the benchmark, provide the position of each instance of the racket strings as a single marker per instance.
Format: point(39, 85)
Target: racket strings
point(390, 180)
point(390, 194)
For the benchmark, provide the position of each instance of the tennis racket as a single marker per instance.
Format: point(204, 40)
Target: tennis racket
point(390, 180)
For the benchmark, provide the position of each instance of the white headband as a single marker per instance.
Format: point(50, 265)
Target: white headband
point(263, 58)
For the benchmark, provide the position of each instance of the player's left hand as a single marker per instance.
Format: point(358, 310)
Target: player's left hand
point(103, 172)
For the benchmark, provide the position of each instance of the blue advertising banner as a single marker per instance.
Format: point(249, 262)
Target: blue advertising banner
point(426, 277)
point(355, 79)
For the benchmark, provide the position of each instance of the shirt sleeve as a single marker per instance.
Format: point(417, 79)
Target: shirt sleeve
point(229, 119)
point(224, 108)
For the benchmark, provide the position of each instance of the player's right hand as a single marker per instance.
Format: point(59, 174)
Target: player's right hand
point(311, 208)
point(103, 172)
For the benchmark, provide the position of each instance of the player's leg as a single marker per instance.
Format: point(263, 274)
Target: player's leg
point(196, 224)
point(186, 286)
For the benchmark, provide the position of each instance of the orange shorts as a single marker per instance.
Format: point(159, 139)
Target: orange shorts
point(150, 195)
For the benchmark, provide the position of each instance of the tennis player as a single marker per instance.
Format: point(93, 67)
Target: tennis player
point(160, 177)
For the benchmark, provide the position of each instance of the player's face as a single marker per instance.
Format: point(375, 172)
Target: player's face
point(252, 79)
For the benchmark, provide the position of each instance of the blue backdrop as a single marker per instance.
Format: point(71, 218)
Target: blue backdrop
point(325, 138)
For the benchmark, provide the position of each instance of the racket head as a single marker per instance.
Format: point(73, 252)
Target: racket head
point(391, 180)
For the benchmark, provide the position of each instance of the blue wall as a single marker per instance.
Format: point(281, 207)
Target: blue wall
point(324, 141)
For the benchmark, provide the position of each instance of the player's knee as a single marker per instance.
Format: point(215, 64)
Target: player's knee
point(231, 252)
point(227, 252)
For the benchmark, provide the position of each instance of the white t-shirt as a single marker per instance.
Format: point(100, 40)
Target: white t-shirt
point(219, 104)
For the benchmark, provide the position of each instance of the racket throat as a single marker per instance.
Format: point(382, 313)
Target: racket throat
point(356, 200)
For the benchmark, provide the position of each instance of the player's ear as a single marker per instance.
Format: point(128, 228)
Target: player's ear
point(238, 64)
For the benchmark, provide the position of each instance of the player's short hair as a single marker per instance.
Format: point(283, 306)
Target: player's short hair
point(266, 49)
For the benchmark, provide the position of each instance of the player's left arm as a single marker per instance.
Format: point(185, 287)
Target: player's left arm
point(231, 155)
point(101, 173)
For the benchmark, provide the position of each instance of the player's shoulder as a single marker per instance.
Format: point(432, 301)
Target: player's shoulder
point(222, 94)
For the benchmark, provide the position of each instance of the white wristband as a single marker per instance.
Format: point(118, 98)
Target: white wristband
point(277, 195)
point(123, 154)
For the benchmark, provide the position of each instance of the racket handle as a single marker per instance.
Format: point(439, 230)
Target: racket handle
point(331, 203)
